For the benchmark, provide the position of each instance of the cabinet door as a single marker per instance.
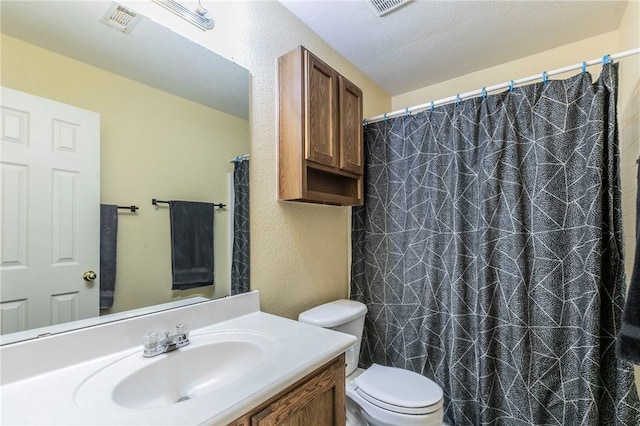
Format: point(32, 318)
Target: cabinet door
point(321, 112)
point(351, 134)
point(318, 402)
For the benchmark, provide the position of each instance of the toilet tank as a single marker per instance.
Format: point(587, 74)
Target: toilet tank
point(345, 316)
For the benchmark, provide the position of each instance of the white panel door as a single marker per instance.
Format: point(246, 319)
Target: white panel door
point(49, 211)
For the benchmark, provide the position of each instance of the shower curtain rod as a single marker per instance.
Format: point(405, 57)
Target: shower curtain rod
point(510, 84)
point(239, 158)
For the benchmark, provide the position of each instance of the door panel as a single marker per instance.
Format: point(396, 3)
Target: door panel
point(351, 136)
point(50, 209)
point(321, 138)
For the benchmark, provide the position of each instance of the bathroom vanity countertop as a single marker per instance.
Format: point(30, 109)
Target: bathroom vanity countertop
point(51, 397)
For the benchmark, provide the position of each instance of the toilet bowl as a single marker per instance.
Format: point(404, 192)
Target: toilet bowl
point(379, 395)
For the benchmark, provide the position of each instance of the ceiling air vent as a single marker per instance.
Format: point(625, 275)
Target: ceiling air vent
point(382, 7)
point(120, 18)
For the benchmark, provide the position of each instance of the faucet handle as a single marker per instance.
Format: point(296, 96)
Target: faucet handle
point(151, 341)
point(183, 329)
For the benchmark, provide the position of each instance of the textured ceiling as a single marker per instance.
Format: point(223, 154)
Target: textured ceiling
point(426, 42)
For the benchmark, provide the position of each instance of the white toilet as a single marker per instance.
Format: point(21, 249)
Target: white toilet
point(378, 396)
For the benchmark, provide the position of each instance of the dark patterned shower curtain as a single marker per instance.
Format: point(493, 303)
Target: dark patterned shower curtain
point(489, 254)
point(240, 256)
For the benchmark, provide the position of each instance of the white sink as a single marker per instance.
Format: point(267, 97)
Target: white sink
point(209, 363)
point(98, 376)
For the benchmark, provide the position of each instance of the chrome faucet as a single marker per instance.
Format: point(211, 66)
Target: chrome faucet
point(154, 345)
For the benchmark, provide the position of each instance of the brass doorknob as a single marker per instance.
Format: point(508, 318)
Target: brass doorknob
point(89, 276)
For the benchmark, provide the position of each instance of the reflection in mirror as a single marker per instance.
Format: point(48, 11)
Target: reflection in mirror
point(173, 117)
point(240, 251)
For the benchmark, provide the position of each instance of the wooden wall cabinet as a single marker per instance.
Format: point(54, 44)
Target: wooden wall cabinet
point(316, 400)
point(320, 135)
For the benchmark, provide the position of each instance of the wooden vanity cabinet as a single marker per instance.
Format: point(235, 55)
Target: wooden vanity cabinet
point(316, 400)
point(320, 135)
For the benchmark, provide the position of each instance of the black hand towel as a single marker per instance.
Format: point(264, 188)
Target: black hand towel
point(191, 244)
point(628, 341)
point(108, 245)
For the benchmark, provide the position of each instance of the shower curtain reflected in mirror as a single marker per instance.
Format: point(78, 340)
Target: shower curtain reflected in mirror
point(240, 251)
point(489, 253)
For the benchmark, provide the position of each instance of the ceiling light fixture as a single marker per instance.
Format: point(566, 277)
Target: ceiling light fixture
point(200, 18)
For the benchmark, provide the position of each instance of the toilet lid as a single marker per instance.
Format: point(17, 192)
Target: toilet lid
point(399, 390)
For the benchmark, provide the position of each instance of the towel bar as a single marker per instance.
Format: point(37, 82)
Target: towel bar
point(155, 202)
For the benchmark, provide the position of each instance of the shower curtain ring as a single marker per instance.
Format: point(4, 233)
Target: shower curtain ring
point(584, 67)
point(458, 99)
point(511, 86)
point(606, 59)
point(545, 77)
point(484, 93)
point(406, 112)
point(432, 106)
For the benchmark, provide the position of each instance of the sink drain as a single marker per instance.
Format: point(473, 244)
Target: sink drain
point(184, 398)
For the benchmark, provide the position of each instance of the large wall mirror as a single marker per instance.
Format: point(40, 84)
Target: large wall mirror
point(172, 118)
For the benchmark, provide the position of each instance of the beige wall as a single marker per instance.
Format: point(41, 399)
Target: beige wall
point(629, 127)
point(299, 252)
point(153, 145)
point(629, 38)
point(559, 57)
point(629, 122)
